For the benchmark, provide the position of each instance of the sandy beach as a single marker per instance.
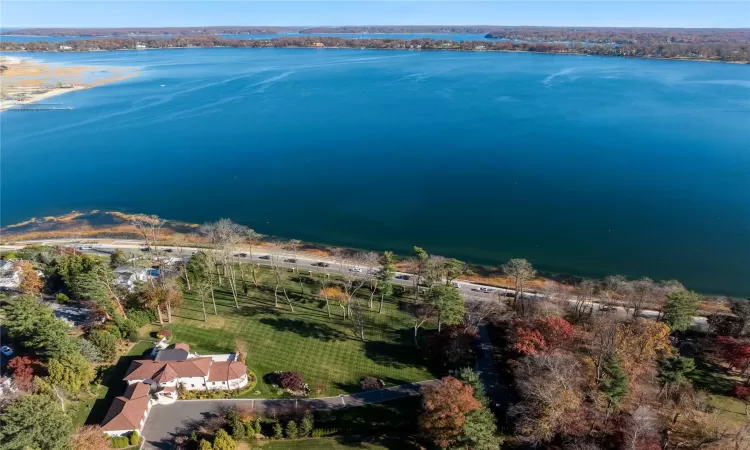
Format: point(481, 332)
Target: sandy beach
point(24, 81)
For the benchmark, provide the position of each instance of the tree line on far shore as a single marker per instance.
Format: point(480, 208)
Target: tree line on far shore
point(733, 50)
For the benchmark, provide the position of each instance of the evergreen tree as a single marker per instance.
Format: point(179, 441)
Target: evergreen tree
point(258, 427)
point(205, 445)
point(235, 424)
point(673, 371)
point(278, 431)
point(223, 441)
point(480, 431)
point(306, 424)
point(291, 429)
point(34, 422)
point(614, 384)
point(680, 309)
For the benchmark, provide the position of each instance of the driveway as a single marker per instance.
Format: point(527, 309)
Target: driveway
point(167, 421)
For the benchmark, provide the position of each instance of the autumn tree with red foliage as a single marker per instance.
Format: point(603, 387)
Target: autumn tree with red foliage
point(544, 334)
point(734, 352)
point(556, 330)
point(743, 393)
point(445, 407)
point(23, 372)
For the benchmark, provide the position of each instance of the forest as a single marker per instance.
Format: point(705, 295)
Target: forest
point(729, 50)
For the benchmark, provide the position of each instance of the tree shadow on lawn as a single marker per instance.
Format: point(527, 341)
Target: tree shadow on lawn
point(711, 377)
point(318, 331)
point(354, 388)
point(395, 354)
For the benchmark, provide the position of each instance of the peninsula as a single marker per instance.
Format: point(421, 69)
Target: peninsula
point(26, 81)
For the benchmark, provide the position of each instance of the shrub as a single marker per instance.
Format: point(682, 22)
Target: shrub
point(323, 432)
point(89, 351)
point(306, 424)
point(124, 327)
point(61, 298)
point(291, 429)
point(120, 442)
point(164, 334)
point(106, 343)
point(135, 438)
point(370, 383)
point(278, 432)
point(141, 317)
point(287, 380)
point(205, 445)
point(223, 441)
point(8, 256)
point(134, 336)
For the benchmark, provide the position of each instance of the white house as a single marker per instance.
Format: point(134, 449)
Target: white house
point(175, 365)
point(129, 412)
point(128, 276)
point(10, 276)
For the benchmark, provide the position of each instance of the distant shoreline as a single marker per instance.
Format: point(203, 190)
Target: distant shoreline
point(393, 49)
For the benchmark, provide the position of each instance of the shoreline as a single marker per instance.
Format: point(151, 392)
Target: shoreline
point(395, 49)
point(34, 78)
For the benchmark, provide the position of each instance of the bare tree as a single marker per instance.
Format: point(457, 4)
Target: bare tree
point(642, 425)
point(280, 275)
point(602, 342)
point(433, 272)
point(550, 389)
point(204, 291)
point(584, 294)
point(421, 312)
point(149, 227)
point(353, 280)
point(521, 271)
point(612, 289)
point(482, 312)
point(358, 317)
point(225, 235)
point(642, 293)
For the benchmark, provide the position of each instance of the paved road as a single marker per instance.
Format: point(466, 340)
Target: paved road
point(469, 290)
point(167, 421)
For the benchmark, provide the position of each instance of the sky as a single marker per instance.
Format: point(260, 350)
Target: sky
point(164, 13)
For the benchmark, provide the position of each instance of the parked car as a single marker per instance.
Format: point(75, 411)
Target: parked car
point(486, 289)
point(264, 256)
point(290, 260)
point(85, 247)
point(402, 277)
point(145, 249)
point(456, 285)
point(168, 250)
point(241, 255)
point(356, 269)
point(6, 350)
point(321, 264)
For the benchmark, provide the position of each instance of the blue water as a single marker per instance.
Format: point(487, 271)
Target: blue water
point(583, 165)
point(458, 37)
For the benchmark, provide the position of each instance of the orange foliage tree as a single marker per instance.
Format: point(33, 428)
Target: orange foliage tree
point(335, 294)
point(23, 372)
point(445, 407)
point(640, 343)
point(91, 437)
point(30, 281)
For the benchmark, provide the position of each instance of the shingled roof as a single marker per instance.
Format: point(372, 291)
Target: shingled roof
point(127, 411)
point(163, 371)
point(226, 370)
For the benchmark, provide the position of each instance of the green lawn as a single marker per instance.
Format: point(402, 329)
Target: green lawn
point(92, 410)
point(327, 351)
point(317, 444)
point(713, 379)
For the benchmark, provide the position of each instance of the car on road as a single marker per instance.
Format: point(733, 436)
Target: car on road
point(85, 247)
point(6, 350)
point(290, 260)
point(145, 249)
point(456, 285)
point(486, 290)
point(402, 277)
point(356, 269)
point(241, 255)
point(321, 264)
point(264, 257)
point(168, 250)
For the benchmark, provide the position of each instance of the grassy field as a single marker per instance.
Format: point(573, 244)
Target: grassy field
point(327, 351)
point(714, 380)
point(316, 444)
